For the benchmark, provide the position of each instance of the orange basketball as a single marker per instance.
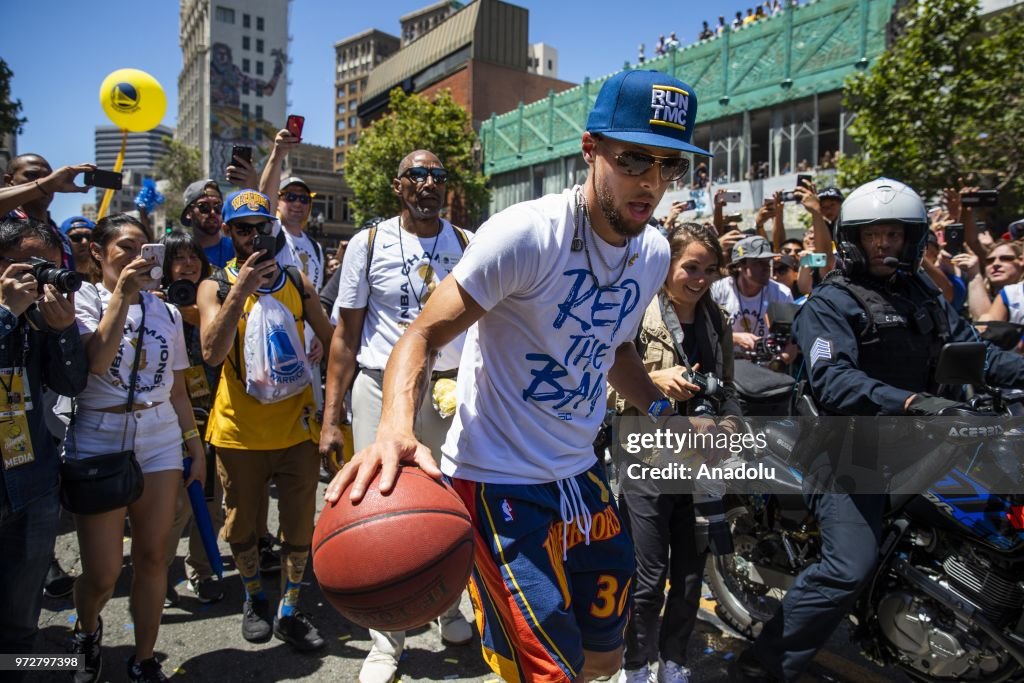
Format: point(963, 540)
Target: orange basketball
point(398, 561)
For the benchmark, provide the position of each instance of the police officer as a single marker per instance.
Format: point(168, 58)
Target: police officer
point(870, 336)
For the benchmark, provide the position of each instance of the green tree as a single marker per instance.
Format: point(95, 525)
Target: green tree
point(180, 165)
point(414, 122)
point(943, 103)
point(10, 121)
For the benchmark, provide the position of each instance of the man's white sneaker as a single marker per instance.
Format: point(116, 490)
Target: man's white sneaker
point(670, 672)
point(378, 667)
point(642, 675)
point(455, 630)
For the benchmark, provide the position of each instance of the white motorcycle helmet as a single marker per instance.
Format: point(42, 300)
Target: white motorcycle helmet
point(881, 201)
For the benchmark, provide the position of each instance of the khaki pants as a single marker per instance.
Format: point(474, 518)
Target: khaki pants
point(245, 474)
point(431, 430)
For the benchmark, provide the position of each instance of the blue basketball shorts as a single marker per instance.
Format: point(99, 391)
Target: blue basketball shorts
point(541, 593)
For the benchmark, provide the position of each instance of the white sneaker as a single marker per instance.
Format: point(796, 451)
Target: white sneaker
point(455, 630)
point(378, 667)
point(670, 672)
point(642, 675)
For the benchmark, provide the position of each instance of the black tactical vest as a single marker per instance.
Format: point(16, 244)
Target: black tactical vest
point(902, 330)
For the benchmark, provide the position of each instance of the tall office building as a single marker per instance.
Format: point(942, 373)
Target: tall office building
point(142, 153)
point(355, 57)
point(233, 82)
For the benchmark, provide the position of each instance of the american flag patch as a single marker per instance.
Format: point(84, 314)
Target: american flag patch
point(822, 350)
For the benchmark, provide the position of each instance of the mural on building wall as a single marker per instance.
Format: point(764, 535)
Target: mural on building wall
point(227, 125)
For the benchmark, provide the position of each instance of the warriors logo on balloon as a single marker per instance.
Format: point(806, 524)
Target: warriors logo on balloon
point(133, 100)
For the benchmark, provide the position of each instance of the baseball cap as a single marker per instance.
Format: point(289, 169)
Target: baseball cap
point(830, 193)
point(294, 180)
point(788, 261)
point(752, 247)
point(194, 192)
point(245, 203)
point(76, 222)
point(646, 108)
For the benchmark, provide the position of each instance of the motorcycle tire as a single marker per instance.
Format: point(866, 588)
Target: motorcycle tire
point(743, 612)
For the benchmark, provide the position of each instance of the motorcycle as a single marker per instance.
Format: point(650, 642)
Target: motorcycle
point(946, 601)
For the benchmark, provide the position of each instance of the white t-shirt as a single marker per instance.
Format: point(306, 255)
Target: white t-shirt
point(531, 389)
point(163, 345)
point(404, 271)
point(301, 253)
point(747, 314)
point(1013, 298)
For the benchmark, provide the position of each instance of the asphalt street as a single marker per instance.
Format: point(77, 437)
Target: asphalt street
point(204, 643)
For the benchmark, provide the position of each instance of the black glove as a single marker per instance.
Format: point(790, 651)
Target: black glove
point(926, 404)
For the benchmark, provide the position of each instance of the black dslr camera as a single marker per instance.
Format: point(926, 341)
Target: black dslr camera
point(711, 394)
point(46, 273)
point(181, 293)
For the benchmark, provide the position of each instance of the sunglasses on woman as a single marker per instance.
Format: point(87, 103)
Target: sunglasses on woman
point(634, 163)
point(418, 174)
point(292, 197)
point(1002, 258)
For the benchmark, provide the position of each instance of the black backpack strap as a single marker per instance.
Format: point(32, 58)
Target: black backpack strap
point(460, 235)
point(223, 285)
point(370, 240)
point(296, 279)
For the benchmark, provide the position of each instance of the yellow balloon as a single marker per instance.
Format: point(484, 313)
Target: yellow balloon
point(133, 100)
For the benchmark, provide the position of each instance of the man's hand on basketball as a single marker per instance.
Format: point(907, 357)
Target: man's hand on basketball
point(385, 455)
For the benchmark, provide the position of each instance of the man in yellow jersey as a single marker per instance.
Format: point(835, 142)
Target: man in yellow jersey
point(263, 439)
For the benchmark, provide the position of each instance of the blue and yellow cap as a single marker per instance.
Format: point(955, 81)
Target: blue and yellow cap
point(245, 203)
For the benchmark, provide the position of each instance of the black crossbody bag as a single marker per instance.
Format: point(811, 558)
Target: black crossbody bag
point(92, 486)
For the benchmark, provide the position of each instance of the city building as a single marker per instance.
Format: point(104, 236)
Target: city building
point(543, 60)
point(330, 218)
point(233, 82)
point(355, 57)
point(480, 53)
point(416, 24)
point(142, 152)
point(770, 106)
point(89, 211)
point(8, 150)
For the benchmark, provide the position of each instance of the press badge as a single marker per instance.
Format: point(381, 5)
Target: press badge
point(195, 380)
point(15, 441)
point(15, 402)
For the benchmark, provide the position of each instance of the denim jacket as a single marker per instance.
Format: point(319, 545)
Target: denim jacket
point(58, 361)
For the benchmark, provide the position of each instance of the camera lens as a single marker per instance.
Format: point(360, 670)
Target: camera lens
point(67, 281)
point(181, 293)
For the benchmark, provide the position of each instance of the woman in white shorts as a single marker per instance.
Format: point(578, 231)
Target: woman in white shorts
point(159, 421)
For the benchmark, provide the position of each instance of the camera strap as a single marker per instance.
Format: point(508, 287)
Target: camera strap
point(132, 380)
point(675, 328)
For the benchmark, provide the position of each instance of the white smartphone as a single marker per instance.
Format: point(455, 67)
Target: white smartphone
point(733, 197)
point(154, 253)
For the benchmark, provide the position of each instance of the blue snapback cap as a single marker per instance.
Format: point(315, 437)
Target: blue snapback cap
point(245, 203)
point(76, 222)
point(646, 108)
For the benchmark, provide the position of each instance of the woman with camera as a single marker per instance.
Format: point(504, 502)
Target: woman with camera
point(135, 406)
point(683, 339)
point(185, 265)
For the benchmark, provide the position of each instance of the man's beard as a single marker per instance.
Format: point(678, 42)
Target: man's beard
point(619, 224)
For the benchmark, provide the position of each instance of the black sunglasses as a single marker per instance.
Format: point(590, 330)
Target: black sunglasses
point(634, 163)
point(418, 174)
point(292, 197)
point(80, 237)
point(243, 229)
point(207, 208)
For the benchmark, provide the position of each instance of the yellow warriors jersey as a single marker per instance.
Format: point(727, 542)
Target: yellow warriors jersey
point(240, 421)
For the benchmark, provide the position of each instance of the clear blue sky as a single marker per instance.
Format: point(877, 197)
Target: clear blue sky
point(61, 50)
